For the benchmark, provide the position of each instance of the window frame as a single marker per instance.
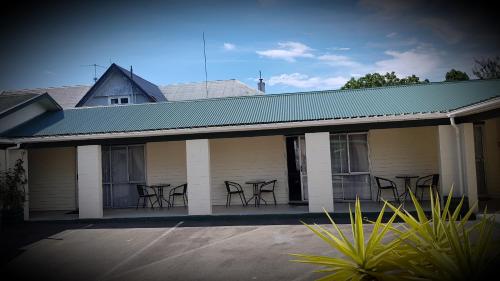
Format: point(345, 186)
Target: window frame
point(349, 156)
point(119, 100)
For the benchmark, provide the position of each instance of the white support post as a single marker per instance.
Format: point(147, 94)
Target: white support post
point(469, 162)
point(198, 177)
point(448, 161)
point(319, 172)
point(12, 157)
point(89, 181)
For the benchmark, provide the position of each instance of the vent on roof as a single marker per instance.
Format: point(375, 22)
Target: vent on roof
point(261, 85)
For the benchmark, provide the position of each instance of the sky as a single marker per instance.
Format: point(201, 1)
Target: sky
point(298, 45)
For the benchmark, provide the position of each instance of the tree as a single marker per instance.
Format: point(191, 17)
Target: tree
point(377, 80)
point(456, 75)
point(487, 68)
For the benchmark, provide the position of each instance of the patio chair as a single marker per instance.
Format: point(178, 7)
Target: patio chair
point(384, 184)
point(234, 188)
point(178, 191)
point(423, 183)
point(143, 194)
point(267, 187)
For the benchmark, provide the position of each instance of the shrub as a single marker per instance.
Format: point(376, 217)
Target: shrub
point(441, 247)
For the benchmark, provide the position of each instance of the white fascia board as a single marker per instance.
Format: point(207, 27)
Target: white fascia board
point(236, 128)
point(476, 108)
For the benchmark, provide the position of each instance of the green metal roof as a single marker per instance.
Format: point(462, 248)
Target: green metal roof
point(308, 106)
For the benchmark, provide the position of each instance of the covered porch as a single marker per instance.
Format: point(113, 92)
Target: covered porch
point(312, 171)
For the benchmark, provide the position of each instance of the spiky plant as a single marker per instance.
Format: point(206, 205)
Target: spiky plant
point(445, 246)
point(362, 260)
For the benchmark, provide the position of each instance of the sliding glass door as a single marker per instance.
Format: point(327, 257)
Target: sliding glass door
point(123, 167)
point(350, 166)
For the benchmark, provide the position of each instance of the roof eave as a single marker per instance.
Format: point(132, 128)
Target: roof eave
point(483, 106)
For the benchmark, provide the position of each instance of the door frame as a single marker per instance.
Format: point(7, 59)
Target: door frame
point(111, 183)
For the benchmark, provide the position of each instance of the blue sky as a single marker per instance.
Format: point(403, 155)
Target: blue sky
point(298, 45)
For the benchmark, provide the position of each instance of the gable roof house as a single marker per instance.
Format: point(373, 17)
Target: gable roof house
point(313, 149)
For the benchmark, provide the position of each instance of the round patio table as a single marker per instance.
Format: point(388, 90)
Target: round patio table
point(407, 179)
point(158, 190)
point(256, 194)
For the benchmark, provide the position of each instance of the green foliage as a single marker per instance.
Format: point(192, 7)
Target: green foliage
point(440, 247)
point(378, 80)
point(487, 68)
point(363, 260)
point(456, 75)
point(12, 181)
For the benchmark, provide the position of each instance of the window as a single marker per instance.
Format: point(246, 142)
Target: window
point(118, 100)
point(350, 166)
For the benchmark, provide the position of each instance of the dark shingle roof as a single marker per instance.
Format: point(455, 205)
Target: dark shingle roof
point(69, 96)
point(261, 109)
point(148, 87)
point(9, 101)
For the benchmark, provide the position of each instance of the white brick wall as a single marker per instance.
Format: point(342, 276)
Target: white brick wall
point(244, 159)
point(52, 178)
point(198, 177)
point(166, 163)
point(89, 181)
point(234, 159)
point(402, 151)
point(319, 172)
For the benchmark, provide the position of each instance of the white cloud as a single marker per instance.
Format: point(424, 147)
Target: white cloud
point(391, 35)
point(288, 51)
point(341, 49)
point(336, 60)
point(421, 61)
point(299, 80)
point(229, 46)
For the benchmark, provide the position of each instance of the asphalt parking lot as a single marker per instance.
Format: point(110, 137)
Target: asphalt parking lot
point(170, 250)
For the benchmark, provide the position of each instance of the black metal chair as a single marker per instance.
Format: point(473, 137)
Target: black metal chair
point(144, 194)
point(178, 191)
point(267, 187)
point(423, 183)
point(384, 184)
point(234, 188)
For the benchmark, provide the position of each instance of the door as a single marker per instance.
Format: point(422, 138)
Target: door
point(350, 166)
point(123, 169)
point(297, 169)
point(479, 150)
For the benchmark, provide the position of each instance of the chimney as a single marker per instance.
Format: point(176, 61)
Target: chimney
point(131, 73)
point(261, 85)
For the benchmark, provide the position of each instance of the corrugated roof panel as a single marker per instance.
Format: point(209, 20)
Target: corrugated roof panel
point(320, 105)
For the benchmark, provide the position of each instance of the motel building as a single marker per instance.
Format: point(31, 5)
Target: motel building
point(88, 151)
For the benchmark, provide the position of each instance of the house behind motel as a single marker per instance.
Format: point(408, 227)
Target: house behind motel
point(87, 148)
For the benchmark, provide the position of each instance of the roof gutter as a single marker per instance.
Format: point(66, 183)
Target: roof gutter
point(236, 128)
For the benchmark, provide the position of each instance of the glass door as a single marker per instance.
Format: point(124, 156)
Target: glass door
point(123, 169)
point(297, 170)
point(350, 166)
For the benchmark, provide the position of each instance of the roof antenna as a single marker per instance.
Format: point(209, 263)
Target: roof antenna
point(95, 66)
point(205, 56)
